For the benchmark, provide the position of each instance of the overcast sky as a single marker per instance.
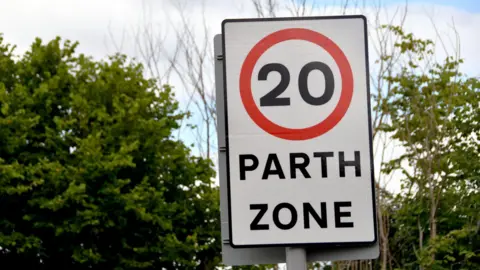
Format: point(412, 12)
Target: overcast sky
point(89, 21)
point(99, 25)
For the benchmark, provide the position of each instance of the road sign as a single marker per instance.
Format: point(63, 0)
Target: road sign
point(298, 133)
point(263, 255)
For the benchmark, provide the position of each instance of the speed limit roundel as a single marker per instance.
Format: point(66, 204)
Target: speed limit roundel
point(272, 98)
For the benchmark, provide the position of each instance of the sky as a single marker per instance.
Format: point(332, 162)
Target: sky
point(93, 23)
point(105, 26)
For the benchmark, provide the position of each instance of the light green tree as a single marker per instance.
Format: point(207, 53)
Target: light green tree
point(434, 113)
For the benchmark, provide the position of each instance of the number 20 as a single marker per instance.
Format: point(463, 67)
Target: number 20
point(272, 99)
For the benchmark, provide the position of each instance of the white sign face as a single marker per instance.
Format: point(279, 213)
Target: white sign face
point(299, 153)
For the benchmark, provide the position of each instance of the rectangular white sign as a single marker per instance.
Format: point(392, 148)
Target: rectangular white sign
point(299, 150)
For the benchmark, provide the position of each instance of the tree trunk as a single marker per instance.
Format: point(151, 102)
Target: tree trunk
point(433, 222)
point(420, 238)
point(382, 231)
point(384, 242)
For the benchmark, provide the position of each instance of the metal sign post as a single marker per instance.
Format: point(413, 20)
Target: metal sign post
point(296, 258)
point(286, 86)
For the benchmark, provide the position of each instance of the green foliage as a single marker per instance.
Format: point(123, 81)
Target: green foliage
point(90, 175)
point(434, 113)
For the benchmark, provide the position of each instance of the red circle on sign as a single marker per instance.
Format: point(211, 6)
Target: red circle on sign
point(302, 133)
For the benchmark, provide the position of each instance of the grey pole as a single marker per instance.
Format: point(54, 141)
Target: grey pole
point(296, 258)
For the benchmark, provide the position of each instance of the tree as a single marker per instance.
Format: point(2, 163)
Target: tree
point(90, 175)
point(434, 113)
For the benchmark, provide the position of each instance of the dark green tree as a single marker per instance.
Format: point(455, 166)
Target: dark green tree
point(91, 176)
